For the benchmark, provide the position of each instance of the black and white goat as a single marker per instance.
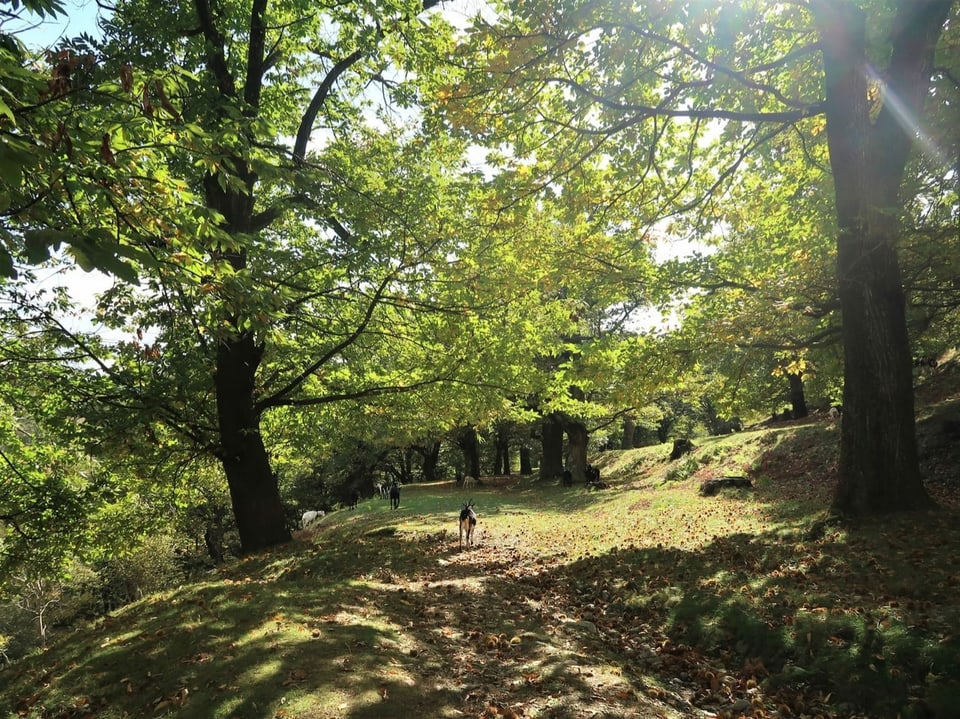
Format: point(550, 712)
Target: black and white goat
point(468, 522)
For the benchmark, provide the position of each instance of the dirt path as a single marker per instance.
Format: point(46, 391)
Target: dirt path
point(506, 632)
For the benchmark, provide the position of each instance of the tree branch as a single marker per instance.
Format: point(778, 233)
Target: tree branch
point(319, 97)
point(256, 49)
point(325, 88)
point(216, 59)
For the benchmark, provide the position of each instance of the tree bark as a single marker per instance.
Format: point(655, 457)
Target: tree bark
point(629, 432)
point(526, 459)
point(551, 442)
point(798, 400)
point(502, 460)
point(431, 459)
point(577, 439)
point(879, 470)
point(664, 426)
point(254, 491)
point(406, 465)
point(470, 446)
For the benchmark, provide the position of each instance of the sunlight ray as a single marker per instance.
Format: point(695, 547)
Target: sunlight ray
point(904, 117)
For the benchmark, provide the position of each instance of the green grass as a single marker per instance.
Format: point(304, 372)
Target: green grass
point(642, 600)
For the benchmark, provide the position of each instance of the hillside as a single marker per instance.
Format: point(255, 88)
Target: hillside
point(641, 600)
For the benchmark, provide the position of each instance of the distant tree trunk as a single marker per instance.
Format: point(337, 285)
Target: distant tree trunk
point(502, 460)
point(213, 540)
point(577, 439)
point(664, 427)
point(431, 459)
point(507, 461)
point(798, 401)
point(710, 417)
point(526, 458)
point(254, 491)
point(407, 475)
point(469, 444)
point(551, 455)
point(629, 430)
point(879, 470)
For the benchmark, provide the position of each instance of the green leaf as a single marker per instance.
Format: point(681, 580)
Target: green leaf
point(39, 243)
point(6, 265)
point(11, 170)
point(5, 111)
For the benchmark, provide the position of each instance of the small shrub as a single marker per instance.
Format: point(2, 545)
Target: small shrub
point(81, 596)
point(682, 471)
point(18, 633)
point(152, 567)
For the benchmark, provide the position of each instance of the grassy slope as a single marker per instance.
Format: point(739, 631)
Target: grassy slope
point(641, 600)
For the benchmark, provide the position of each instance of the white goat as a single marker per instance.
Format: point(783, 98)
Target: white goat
point(469, 482)
point(311, 516)
point(468, 522)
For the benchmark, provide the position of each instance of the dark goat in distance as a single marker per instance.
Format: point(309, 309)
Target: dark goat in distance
point(468, 522)
point(394, 495)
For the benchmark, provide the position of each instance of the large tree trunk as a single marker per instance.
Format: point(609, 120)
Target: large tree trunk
point(469, 444)
point(551, 443)
point(406, 465)
point(431, 459)
point(629, 432)
point(664, 427)
point(526, 458)
point(502, 460)
point(577, 439)
point(798, 399)
point(879, 469)
point(254, 491)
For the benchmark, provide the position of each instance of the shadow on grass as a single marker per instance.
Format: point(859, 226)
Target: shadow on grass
point(855, 621)
point(367, 617)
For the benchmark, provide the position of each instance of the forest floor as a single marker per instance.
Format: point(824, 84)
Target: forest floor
point(642, 600)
